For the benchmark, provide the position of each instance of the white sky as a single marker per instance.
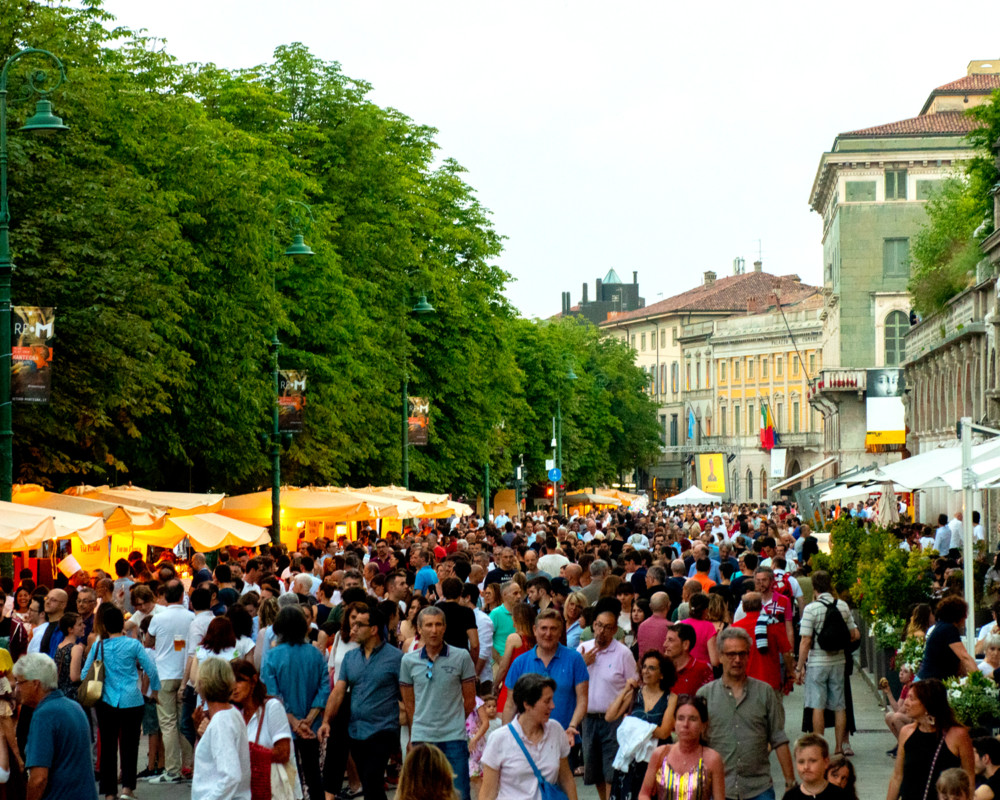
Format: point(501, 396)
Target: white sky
point(653, 136)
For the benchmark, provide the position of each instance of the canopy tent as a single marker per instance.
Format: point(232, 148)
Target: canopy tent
point(117, 518)
point(591, 499)
point(987, 472)
point(176, 504)
point(436, 506)
point(30, 522)
point(801, 476)
point(851, 491)
point(626, 498)
point(692, 496)
point(303, 504)
point(926, 470)
point(206, 532)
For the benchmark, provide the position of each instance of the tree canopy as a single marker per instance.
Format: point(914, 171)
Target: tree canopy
point(959, 216)
point(157, 224)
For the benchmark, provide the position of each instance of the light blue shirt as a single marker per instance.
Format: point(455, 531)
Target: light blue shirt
point(573, 633)
point(296, 674)
point(942, 540)
point(123, 657)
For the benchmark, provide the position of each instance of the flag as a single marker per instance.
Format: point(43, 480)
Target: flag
point(766, 427)
point(690, 424)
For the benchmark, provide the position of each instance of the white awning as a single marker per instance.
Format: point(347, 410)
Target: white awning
point(804, 474)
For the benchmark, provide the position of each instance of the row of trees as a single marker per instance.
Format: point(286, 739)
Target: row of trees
point(154, 227)
point(959, 217)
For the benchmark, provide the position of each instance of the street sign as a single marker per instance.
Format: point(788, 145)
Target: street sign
point(550, 463)
point(555, 474)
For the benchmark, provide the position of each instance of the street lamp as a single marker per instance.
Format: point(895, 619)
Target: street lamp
point(297, 249)
point(421, 309)
point(570, 376)
point(42, 120)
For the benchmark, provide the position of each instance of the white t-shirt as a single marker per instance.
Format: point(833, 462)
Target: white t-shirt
point(35, 645)
point(174, 622)
point(244, 645)
point(484, 625)
point(337, 653)
point(222, 759)
point(275, 727)
point(504, 754)
point(551, 563)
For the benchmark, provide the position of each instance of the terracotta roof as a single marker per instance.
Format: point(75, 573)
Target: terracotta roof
point(734, 294)
point(953, 122)
point(972, 83)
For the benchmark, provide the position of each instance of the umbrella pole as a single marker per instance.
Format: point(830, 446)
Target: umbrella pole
point(968, 570)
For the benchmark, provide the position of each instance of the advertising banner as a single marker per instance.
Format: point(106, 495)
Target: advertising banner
point(31, 351)
point(419, 420)
point(778, 462)
point(712, 473)
point(291, 400)
point(886, 417)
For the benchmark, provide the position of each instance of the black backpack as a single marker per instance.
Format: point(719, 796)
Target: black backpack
point(834, 634)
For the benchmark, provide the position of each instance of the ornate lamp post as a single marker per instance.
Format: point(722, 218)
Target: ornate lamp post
point(570, 376)
point(422, 308)
point(297, 249)
point(42, 120)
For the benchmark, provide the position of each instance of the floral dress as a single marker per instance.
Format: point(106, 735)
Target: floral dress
point(472, 723)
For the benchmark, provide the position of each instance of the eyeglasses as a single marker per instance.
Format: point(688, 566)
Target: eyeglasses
point(600, 626)
point(737, 654)
point(430, 670)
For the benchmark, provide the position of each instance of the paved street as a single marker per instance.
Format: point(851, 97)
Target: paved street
point(870, 744)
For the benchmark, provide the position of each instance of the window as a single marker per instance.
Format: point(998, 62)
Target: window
point(736, 420)
point(896, 326)
point(860, 191)
point(687, 375)
point(736, 370)
point(633, 341)
point(675, 335)
point(795, 417)
point(750, 419)
point(895, 184)
point(663, 428)
point(722, 421)
point(764, 362)
point(673, 430)
point(675, 377)
point(749, 484)
point(663, 337)
point(896, 258)
point(722, 372)
point(763, 483)
point(778, 366)
point(663, 378)
point(795, 365)
point(734, 485)
point(812, 363)
point(642, 339)
point(750, 369)
point(697, 375)
point(779, 413)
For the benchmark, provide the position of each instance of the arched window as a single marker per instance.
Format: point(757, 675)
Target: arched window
point(896, 326)
point(749, 485)
point(763, 483)
point(734, 486)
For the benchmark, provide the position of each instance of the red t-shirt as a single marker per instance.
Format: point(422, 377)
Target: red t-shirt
point(690, 679)
point(779, 606)
point(766, 666)
point(440, 553)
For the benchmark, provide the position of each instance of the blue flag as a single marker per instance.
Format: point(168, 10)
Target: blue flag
point(690, 424)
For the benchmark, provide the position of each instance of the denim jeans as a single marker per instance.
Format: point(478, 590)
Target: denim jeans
point(457, 753)
point(186, 724)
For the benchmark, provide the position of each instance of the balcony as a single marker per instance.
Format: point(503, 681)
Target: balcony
point(805, 439)
point(839, 380)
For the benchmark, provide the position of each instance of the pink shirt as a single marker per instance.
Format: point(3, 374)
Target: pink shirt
point(610, 671)
point(652, 632)
point(704, 630)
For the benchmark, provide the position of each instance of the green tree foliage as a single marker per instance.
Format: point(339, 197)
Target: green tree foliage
point(157, 224)
point(946, 250)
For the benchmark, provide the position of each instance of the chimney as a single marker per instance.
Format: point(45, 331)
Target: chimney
point(758, 266)
point(598, 295)
point(635, 277)
point(709, 278)
point(565, 303)
point(584, 298)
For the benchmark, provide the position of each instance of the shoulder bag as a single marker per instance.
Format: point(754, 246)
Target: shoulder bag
point(92, 687)
point(550, 791)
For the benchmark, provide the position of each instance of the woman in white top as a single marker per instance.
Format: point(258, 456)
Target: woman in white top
point(222, 757)
point(267, 726)
point(507, 772)
point(219, 641)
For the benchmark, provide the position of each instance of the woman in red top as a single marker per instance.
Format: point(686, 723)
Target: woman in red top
point(520, 641)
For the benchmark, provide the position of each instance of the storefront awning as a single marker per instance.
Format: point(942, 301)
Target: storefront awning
point(800, 476)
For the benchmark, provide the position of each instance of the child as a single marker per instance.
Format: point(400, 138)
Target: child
point(841, 773)
point(480, 725)
point(896, 719)
point(7, 708)
point(812, 757)
point(150, 720)
point(954, 784)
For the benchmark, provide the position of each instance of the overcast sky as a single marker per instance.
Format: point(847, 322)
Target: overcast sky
point(661, 137)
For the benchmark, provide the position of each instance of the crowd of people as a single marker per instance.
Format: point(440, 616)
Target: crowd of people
point(648, 653)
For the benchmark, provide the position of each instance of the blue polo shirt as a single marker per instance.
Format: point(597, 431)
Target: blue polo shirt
point(426, 576)
point(59, 740)
point(374, 683)
point(567, 668)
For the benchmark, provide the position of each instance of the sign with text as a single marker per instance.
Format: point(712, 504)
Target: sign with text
point(712, 472)
point(778, 462)
point(291, 400)
point(31, 352)
point(419, 420)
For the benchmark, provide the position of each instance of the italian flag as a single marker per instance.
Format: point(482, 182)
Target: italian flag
point(766, 427)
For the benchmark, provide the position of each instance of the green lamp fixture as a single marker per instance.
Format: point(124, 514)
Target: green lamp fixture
point(422, 306)
point(43, 120)
point(298, 247)
point(571, 376)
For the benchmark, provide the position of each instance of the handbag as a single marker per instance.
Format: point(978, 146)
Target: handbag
point(260, 764)
point(92, 687)
point(550, 791)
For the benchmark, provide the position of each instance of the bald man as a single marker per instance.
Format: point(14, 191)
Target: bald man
point(45, 639)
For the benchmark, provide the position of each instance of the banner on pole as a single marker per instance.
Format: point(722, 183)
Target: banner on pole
point(31, 352)
point(419, 420)
point(291, 400)
point(712, 472)
point(886, 414)
point(778, 462)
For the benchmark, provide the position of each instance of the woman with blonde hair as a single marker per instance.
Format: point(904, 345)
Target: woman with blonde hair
point(222, 757)
point(519, 642)
point(573, 610)
point(266, 614)
point(718, 612)
point(426, 775)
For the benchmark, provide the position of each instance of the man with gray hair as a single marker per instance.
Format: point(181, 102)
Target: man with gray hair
point(599, 570)
point(57, 756)
point(745, 723)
